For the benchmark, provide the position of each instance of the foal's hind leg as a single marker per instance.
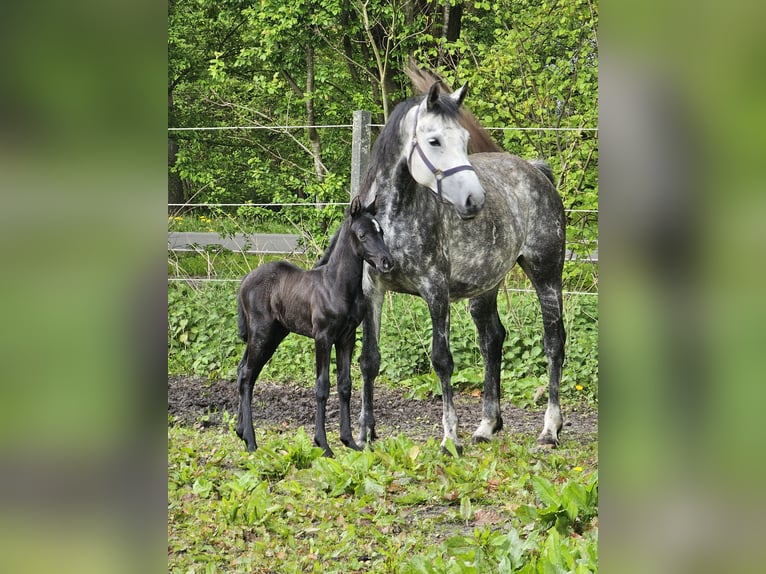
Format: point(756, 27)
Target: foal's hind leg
point(260, 347)
point(491, 336)
point(547, 282)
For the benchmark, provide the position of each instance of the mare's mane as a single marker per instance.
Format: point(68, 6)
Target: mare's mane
point(480, 140)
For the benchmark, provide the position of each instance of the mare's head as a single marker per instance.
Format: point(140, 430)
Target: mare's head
point(437, 155)
point(367, 236)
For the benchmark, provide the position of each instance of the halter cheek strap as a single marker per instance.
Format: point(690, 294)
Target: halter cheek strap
point(437, 173)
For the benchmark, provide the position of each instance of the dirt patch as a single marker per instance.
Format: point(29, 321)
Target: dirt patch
point(198, 401)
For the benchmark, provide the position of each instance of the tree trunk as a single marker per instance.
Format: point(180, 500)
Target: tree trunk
point(316, 144)
point(175, 185)
point(451, 24)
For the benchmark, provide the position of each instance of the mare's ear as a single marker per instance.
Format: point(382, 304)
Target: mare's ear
point(356, 206)
point(459, 95)
point(433, 95)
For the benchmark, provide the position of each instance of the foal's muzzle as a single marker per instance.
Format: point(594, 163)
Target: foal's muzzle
point(383, 263)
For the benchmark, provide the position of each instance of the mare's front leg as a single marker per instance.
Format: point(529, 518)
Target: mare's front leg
point(322, 389)
point(441, 358)
point(343, 351)
point(491, 336)
point(370, 360)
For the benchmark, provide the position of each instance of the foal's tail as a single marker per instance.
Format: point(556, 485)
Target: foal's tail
point(543, 167)
point(241, 320)
point(480, 140)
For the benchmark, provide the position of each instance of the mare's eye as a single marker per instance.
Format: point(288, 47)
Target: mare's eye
point(434, 142)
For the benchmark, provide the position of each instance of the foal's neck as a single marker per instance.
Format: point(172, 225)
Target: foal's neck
point(344, 267)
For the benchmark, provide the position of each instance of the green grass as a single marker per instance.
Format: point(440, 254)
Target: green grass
point(403, 507)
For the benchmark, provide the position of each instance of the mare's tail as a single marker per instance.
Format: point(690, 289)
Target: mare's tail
point(241, 320)
point(480, 140)
point(543, 167)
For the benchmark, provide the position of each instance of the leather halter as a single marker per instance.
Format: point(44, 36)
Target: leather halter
point(437, 173)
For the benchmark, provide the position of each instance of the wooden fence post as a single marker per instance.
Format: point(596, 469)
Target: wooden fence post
point(360, 149)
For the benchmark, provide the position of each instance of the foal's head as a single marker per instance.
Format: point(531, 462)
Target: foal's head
point(366, 236)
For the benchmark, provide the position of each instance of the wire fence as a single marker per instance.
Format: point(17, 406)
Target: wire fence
point(286, 128)
point(334, 126)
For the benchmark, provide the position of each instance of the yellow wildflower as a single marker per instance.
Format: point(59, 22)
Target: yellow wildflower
point(579, 387)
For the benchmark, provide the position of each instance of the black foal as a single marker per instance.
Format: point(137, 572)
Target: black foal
point(325, 303)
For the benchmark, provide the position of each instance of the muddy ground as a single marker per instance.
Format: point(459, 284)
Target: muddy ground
point(196, 401)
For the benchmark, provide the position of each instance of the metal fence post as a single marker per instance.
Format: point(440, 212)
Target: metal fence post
point(360, 149)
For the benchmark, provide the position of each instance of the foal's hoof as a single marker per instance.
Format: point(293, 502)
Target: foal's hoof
point(351, 444)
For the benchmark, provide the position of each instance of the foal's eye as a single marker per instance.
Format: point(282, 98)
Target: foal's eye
point(362, 236)
point(434, 142)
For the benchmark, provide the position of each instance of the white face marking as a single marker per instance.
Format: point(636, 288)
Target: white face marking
point(377, 225)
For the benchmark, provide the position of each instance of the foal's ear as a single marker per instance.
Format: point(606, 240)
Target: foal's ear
point(356, 206)
point(372, 208)
point(459, 95)
point(433, 95)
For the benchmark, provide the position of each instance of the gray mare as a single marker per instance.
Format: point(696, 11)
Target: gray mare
point(455, 225)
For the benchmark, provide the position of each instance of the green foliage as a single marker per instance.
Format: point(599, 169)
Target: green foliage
point(403, 507)
point(202, 334)
point(235, 63)
point(202, 339)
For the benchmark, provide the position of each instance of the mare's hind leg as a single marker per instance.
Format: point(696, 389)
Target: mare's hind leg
point(343, 352)
point(370, 361)
point(260, 347)
point(491, 336)
point(547, 282)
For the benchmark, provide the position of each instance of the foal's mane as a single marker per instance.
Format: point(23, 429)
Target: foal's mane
point(333, 242)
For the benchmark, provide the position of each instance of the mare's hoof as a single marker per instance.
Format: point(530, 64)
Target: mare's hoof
point(547, 441)
point(458, 449)
point(477, 438)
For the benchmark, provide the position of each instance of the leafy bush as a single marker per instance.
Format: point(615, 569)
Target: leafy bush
point(202, 339)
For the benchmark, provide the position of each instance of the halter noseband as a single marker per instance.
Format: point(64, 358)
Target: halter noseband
point(437, 173)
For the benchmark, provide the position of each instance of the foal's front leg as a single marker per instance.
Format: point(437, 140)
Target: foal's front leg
point(322, 389)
